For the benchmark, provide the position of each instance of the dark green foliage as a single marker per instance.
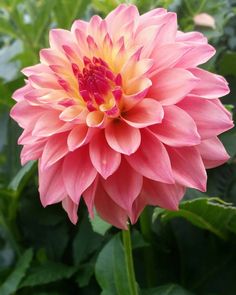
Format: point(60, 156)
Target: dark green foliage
point(188, 252)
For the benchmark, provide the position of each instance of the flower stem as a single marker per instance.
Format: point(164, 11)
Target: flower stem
point(129, 262)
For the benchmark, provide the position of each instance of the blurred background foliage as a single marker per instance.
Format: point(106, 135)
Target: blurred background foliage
point(191, 251)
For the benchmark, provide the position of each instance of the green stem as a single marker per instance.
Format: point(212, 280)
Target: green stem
point(149, 257)
point(129, 262)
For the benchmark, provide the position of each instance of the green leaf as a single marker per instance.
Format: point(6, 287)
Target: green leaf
point(47, 273)
point(227, 64)
point(11, 284)
point(110, 269)
point(211, 214)
point(170, 289)
point(86, 241)
point(22, 177)
point(99, 225)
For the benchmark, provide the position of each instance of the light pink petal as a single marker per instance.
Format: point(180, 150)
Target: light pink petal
point(210, 119)
point(55, 149)
point(205, 20)
point(109, 210)
point(124, 185)
point(71, 208)
point(74, 112)
point(31, 152)
point(78, 173)
point(19, 94)
point(167, 56)
point(49, 124)
point(51, 187)
point(145, 113)
point(89, 195)
point(187, 166)
point(196, 55)
point(26, 115)
point(60, 37)
point(210, 85)
point(161, 194)
point(95, 119)
point(122, 138)
point(44, 81)
point(177, 128)
point(49, 56)
point(213, 152)
point(104, 159)
point(79, 136)
point(172, 85)
point(191, 37)
point(36, 69)
point(167, 33)
point(151, 159)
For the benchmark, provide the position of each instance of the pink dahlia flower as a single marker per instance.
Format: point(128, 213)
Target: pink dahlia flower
point(119, 114)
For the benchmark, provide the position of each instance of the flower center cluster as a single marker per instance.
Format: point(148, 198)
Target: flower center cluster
point(99, 87)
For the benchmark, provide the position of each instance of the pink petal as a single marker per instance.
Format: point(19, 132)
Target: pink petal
point(31, 152)
point(196, 55)
point(205, 20)
point(145, 113)
point(167, 56)
point(95, 119)
point(151, 159)
point(78, 173)
point(74, 112)
point(109, 210)
point(161, 194)
point(71, 208)
point(104, 159)
point(138, 206)
point(60, 37)
point(19, 94)
point(172, 85)
point(36, 69)
point(79, 136)
point(89, 195)
point(177, 128)
point(167, 33)
point(122, 137)
point(210, 119)
point(187, 166)
point(124, 186)
point(191, 37)
point(51, 187)
point(210, 85)
point(55, 149)
point(213, 152)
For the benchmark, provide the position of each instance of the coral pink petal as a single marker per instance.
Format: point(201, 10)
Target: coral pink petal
point(89, 195)
point(187, 166)
point(19, 94)
point(124, 185)
point(167, 33)
point(78, 173)
point(60, 37)
point(79, 136)
point(177, 128)
point(164, 195)
point(210, 85)
point(210, 119)
point(192, 37)
point(122, 138)
point(138, 206)
point(31, 152)
point(71, 208)
point(104, 159)
point(51, 187)
point(151, 159)
point(145, 113)
point(55, 149)
point(213, 152)
point(109, 210)
point(172, 85)
point(73, 112)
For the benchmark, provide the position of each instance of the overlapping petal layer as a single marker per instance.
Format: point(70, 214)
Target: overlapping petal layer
point(118, 112)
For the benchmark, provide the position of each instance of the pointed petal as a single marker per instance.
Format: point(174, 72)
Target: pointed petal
point(109, 210)
point(104, 159)
point(55, 149)
point(213, 152)
point(51, 187)
point(177, 128)
point(79, 136)
point(145, 113)
point(161, 194)
point(89, 195)
point(188, 168)
point(210, 119)
point(151, 159)
point(78, 173)
point(71, 208)
point(172, 85)
point(124, 185)
point(210, 85)
point(122, 137)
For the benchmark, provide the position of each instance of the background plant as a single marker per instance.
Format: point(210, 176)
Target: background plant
point(191, 251)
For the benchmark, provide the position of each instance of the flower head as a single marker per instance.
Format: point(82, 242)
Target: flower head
point(119, 114)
